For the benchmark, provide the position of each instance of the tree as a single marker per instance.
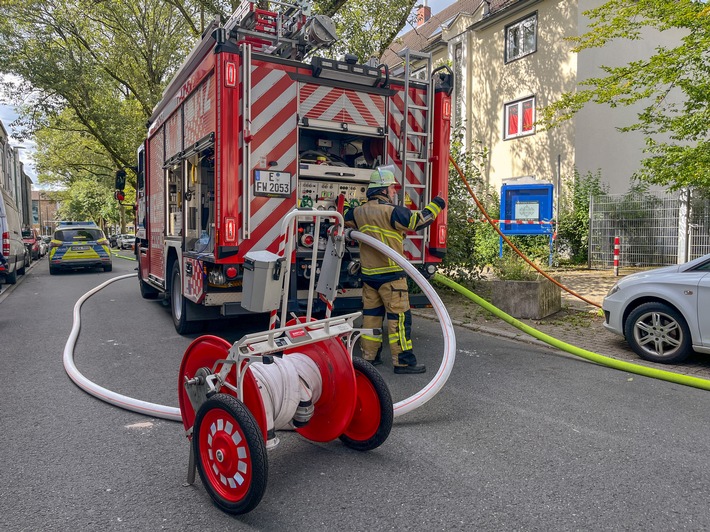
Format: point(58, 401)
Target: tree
point(368, 27)
point(672, 86)
point(105, 64)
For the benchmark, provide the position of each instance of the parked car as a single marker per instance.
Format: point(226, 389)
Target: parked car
point(126, 241)
point(43, 246)
point(14, 252)
point(112, 240)
point(79, 246)
point(662, 312)
point(31, 239)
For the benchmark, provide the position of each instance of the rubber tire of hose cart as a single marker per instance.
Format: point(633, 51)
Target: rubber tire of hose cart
point(372, 421)
point(230, 454)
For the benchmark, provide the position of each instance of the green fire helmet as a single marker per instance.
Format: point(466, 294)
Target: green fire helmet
point(382, 176)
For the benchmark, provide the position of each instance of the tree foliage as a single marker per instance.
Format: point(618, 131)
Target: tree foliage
point(368, 27)
point(92, 72)
point(672, 86)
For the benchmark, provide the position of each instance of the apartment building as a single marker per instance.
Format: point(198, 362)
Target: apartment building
point(512, 58)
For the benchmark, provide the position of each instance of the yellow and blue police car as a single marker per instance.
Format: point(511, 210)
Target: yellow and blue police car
point(79, 245)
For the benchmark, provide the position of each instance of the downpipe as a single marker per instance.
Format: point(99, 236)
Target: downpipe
point(686, 380)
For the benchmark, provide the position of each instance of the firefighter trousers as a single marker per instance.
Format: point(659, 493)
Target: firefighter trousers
point(390, 300)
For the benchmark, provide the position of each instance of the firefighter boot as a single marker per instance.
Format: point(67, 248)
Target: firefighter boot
point(407, 364)
point(374, 361)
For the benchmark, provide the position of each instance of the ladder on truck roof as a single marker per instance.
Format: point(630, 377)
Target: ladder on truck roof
point(420, 140)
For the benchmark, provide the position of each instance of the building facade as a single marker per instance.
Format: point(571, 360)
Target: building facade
point(513, 57)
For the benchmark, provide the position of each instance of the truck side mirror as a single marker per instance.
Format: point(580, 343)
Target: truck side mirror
point(120, 179)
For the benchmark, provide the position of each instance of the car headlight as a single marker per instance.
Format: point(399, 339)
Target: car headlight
point(614, 289)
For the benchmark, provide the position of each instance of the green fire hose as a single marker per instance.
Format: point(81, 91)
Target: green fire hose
point(654, 373)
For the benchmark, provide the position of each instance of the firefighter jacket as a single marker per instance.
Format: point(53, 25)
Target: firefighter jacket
point(388, 223)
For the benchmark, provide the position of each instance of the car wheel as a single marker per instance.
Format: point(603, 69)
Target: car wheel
point(658, 333)
point(53, 270)
point(108, 267)
point(178, 304)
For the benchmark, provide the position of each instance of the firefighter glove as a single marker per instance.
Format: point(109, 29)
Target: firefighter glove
point(436, 206)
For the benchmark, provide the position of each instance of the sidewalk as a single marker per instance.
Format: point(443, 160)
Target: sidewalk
point(578, 323)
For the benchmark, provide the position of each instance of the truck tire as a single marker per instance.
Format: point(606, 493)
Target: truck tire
point(178, 304)
point(147, 291)
point(11, 278)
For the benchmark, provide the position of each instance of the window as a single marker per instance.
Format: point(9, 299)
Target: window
point(520, 118)
point(521, 38)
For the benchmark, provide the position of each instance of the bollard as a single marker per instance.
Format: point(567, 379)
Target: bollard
point(616, 256)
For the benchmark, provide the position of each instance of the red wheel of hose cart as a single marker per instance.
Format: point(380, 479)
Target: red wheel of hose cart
point(374, 413)
point(336, 405)
point(230, 454)
point(204, 352)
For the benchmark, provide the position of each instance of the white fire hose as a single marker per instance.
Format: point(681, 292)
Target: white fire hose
point(447, 328)
point(277, 401)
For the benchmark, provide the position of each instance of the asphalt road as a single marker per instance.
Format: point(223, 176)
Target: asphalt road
point(520, 438)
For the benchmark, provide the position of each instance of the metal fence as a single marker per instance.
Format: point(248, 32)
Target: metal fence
point(653, 229)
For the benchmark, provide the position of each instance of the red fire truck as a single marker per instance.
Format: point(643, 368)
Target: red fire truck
point(248, 130)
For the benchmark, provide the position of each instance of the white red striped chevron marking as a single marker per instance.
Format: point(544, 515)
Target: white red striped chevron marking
point(157, 203)
point(341, 105)
point(274, 139)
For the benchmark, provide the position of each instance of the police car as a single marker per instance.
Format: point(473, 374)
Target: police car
point(79, 245)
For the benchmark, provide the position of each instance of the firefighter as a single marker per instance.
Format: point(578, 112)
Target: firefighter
point(384, 292)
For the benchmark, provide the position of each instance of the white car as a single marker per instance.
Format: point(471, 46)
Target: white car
point(125, 241)
point(664, 314)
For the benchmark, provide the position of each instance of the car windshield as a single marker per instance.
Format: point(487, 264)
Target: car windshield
point(67, 235)
point(26, 233)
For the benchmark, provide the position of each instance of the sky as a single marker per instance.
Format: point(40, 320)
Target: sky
point(7, 116)
point(8, 113)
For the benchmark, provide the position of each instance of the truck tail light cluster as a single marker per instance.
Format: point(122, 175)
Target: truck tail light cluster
point(6, 244)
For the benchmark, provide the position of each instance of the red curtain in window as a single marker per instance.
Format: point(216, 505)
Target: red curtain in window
point(513, 120)
point(528, 115)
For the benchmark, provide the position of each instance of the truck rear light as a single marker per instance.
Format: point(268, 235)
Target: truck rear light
point(6, 244)
point(230, 74)
point(232, 272)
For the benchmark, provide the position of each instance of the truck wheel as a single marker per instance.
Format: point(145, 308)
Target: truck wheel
point(372, 420)
point(178, 304)
point(147, 291)
point(11, 278)
point(230, 454)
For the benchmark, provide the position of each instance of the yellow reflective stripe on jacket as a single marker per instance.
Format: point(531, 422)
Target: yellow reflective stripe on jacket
point(412, 222)
point(385, 233)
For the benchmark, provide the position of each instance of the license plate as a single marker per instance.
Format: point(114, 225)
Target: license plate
point(80, 248)
point(272, 184)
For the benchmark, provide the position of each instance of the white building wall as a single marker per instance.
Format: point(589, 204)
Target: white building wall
point(600, 146)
